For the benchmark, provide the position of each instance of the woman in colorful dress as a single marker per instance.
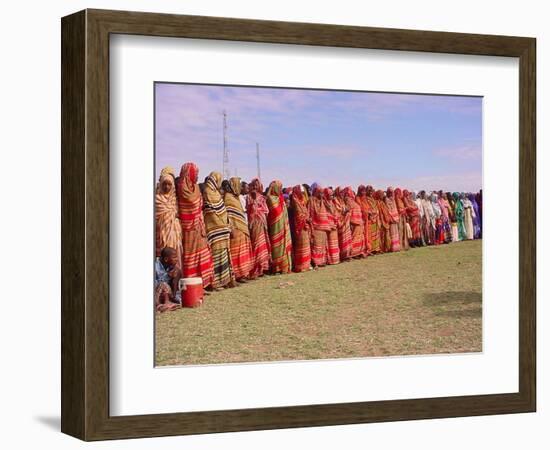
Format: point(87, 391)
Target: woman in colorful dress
point(240, 248)
point(301, 231)
point(217, 231)
point(439, 235)
point(394, 221)
point(459, 214)
point(428, 219)
point(196, 255)
point(385, 218)
point(333, 249)
point(475, 216)
point(320, 226)
point(279, 229)
point(373, 224)
point(413, 217)
point(361, 199)
point(344, 228)
point(167, 224)
point(402, 224)
point(452, 217)
point(357, 225)
point(445, 217)
point(257, 211)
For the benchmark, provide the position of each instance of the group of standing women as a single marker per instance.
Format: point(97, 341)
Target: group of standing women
point(227, 231)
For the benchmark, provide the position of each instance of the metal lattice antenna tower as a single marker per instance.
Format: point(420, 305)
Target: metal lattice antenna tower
point(225, 166)
point(258, 159)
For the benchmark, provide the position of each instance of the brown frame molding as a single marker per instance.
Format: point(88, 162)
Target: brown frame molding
point(85, 224)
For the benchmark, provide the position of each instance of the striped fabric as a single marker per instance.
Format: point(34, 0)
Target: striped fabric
point(320, 226)
point(333, 249)
point(357, 225)
point(301, 231)
point(394, 221)
point(257, 221)
point(196, 257)
point(344, 229)
point(242, 261)
point(402, 224)
point(223, 274)
point(279, 230)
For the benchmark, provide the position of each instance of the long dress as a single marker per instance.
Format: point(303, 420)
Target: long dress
point(167, 224)
point(320, 226)
point(373, 225)
point(197, 258)
point(344, 228)
point(394, 224)
point(445, 218)
point(402, 224)
point(385, 219)
point(240, 247)
point(279, 229)
point(301, 232)
point(333, 249)
point(468, 218)
point(357, 226)
point(217, 230)
point(459, 214)
point(413, 217)
point(361, 200)
point(428, 221)
point(257, 221)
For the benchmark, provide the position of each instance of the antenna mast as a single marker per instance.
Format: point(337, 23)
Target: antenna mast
point(225, 166)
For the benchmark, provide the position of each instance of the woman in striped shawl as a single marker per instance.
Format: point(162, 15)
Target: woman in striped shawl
point(242, 259)
point(402, 224)
point(320, 226)
point(167, 224)
point(197, 259)
point(357, 225)
point(413, 217)
point(344, 228)
point(301, 231)
point(394, 221)
point(333, 249)
point(361, 200)
point(217, 231)
point(385, 219)
point(257, 210)
point(279, 229)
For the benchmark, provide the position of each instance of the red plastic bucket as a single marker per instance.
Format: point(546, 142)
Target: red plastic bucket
point(192, 292)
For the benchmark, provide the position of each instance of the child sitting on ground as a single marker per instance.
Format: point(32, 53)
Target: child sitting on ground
point(167, 277)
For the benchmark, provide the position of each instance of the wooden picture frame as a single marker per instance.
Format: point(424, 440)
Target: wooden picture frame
point(85, 224)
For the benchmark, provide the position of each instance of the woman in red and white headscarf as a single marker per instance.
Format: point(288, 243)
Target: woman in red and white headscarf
point(333, 249)
point(279, 229)
point(320, 226)
point(394, 221)
point(344, 228)
point(197, 259)
point(301, 231)
point(357, 224)
point(402, 224)
point(257, 211)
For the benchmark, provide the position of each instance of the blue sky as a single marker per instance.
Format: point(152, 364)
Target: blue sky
point(333, 137)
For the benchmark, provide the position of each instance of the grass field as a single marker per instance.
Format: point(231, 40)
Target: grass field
point(423, 301)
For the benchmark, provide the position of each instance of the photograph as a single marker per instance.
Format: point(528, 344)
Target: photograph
point(297, 224)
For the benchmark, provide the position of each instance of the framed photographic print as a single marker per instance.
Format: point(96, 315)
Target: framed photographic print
point(273, 225)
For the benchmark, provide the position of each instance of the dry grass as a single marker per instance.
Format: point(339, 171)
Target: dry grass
point(423, 301)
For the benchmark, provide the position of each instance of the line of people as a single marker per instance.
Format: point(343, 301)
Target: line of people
point(229, 231)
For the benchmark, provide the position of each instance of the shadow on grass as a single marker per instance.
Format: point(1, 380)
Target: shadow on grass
point(461, 304)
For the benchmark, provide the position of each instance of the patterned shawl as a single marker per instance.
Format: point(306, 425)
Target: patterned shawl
point(166, 213)
point(385, 216)
point(256, 206)
point(330, 207)
point(301, 213)
point(318, 212)
point(215, 213)
point(392, 207)
point(399, 203)
point(356, 215)
point(189, 198)
point(410, 205)
point(235, 212)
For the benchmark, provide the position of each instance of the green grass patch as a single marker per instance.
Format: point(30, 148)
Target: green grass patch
point(423, 301)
